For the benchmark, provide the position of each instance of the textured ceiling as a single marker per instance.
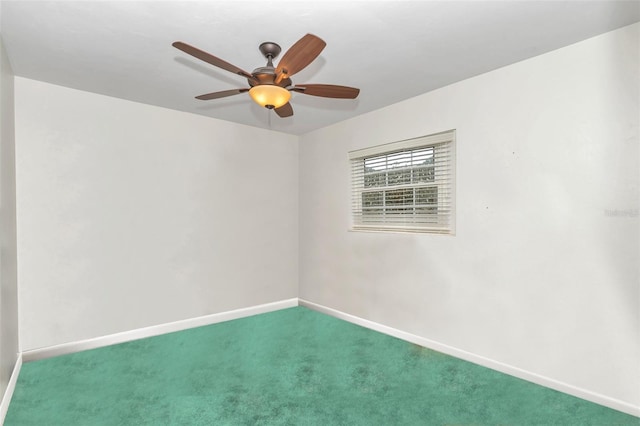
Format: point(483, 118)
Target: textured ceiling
point(391, 50)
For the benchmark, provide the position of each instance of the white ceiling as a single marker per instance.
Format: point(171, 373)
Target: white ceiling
point(391, 50)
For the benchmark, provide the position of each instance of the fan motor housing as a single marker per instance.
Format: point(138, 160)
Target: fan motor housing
point(267, 75)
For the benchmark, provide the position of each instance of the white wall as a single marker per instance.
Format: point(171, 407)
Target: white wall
point(542, 274)
point(131, 215)
point(8, 280)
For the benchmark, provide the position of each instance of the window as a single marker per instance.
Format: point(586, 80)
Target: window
point(405, 186)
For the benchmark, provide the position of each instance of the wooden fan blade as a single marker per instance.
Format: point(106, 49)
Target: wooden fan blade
point(301, 54)
point(222, 94)
point(327, 91)
point(285, 110)
point(209, 58)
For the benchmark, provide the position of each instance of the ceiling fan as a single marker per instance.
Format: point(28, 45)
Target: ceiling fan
point(270, 86)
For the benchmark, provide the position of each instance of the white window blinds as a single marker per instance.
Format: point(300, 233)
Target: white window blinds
point(405, 186)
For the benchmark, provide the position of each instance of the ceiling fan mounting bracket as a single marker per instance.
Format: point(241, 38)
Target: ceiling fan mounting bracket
point(270, 50)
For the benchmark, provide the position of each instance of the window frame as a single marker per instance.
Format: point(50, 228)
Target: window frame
point(443, 147)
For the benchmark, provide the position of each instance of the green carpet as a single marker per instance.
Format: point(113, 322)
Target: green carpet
point(293, 367)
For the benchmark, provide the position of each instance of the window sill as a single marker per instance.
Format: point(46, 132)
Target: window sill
point(403, 230)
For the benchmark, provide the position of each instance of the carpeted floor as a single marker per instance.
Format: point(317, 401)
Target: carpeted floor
point(294, 367)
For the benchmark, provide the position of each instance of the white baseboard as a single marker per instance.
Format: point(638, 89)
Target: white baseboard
point(480, 360)
point(156, 330)
point(8, 393)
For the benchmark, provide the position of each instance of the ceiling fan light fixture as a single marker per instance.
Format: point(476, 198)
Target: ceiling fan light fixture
point(269, 96)
point(268, 84)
